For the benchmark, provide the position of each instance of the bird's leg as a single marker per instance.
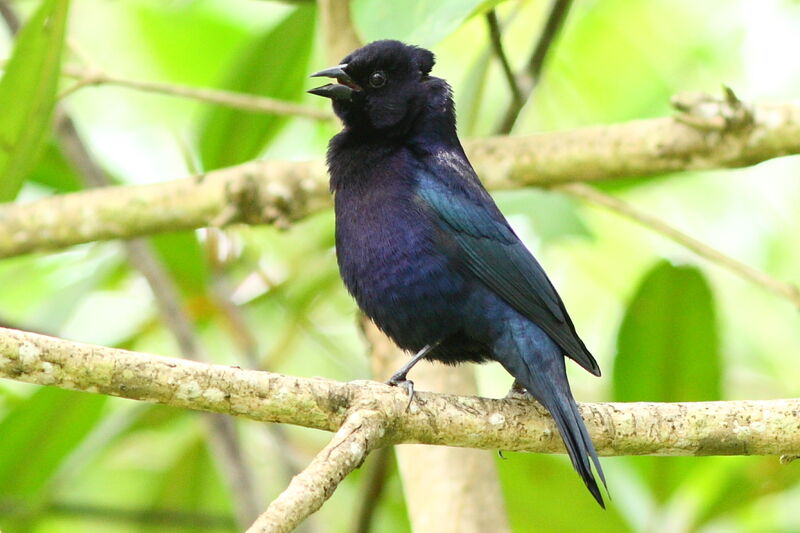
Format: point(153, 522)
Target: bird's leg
point(518, 391)
point(400, 379)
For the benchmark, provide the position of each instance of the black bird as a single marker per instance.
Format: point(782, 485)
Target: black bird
point(425, 251)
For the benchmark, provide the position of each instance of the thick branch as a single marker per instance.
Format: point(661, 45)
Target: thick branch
point(281, 192)
point(702, 428)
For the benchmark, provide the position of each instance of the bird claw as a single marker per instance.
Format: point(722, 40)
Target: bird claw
point(405, 383)
point(518, 392)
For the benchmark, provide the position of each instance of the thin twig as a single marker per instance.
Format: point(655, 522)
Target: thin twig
point(495, 37)
point(527, 80)
point(249, 102)
point(781, 288)
point(10, 17)
point(173, 518)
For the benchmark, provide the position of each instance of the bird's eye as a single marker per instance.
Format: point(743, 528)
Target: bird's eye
point(377, 79)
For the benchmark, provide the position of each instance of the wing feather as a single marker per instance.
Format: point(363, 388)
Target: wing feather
point(494, 254)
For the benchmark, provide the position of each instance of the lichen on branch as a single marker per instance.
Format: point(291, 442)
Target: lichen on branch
point(703, 428)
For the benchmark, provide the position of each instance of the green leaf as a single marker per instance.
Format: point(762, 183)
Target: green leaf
point(420, 22)
point(276, 65)
point(543, 493)
point(553, 216)
point(668, 346)
point(739, 484)
point(191, 485)
point(28, 94)
point(471, 95)
point(668, 351)
point(55, 172)
point(183, 257)
point(39, 433)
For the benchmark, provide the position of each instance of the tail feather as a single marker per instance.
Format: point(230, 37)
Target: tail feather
point(579, 445)
point(538, 364)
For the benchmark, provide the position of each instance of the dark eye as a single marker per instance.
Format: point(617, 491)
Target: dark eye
point(377, 79)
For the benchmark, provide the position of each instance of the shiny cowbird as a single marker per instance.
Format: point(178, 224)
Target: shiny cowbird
point(425, 251)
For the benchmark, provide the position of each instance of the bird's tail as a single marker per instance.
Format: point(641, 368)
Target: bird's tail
point(576, 438)
point(539, 367)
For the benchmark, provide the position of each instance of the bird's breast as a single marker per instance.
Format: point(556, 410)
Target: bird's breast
point(389, 261)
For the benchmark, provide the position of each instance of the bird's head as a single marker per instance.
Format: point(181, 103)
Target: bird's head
point(384, 87)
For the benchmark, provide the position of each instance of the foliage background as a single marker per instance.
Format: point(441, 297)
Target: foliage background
point(664, 325)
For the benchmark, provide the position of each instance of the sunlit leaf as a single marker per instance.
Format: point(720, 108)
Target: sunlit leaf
point(183, 256)
point(54, 171)
point(193, 490)
point(28, 94)
point(420, 22)
point(469, 99)
point(742, 481)
point(543, 493)
point(39, 433)
point(668, 351)
point(668, 346)
point(276, 65)
point(553, 216)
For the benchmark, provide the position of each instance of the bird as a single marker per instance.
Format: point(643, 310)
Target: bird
point(425, 251)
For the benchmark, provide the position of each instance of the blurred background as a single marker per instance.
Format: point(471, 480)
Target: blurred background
point(664, 324)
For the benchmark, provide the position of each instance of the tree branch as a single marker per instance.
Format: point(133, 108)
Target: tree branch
point(495, 38)
point(281, 192)
point(362, 432)
point(700, 428)
point(447, 489)
point(776, 286)
point(248, 102)
point(523, 85)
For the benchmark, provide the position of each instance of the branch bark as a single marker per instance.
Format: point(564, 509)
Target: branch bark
point(281, 192)
point(703, 428)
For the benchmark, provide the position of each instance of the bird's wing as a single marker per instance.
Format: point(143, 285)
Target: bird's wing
point(491, 251)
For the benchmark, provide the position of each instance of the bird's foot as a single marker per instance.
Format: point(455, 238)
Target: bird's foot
point(400, 380)
point(518, 392)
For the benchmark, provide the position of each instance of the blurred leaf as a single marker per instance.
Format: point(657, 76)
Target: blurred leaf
point(191, 485)
point(28, 94)
point(276, 65)
point(184, 259)
point(554, 216)
point(741, 481)
point(200, 25)
point(668, 351)
point(55, 172)
point(469, 99)
point(420, 22)
point(543, 493)
point(38, 434)
point(668, 347)
point(43, 294)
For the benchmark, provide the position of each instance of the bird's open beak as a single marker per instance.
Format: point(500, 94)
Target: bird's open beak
point(336, 91)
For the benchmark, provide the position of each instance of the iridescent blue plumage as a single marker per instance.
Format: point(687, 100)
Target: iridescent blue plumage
point(425, 251)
